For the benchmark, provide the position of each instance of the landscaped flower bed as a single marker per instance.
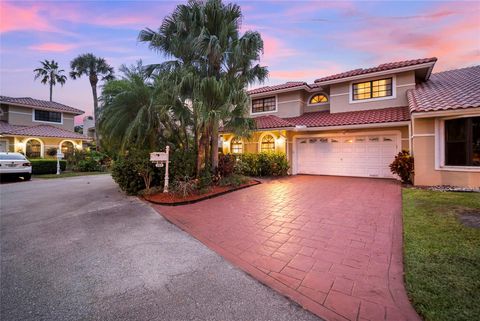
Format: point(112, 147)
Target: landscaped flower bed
point(173, 199)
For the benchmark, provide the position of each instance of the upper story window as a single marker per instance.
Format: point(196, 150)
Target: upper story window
point(318, 99)
point(373, 89)
point(262, 105)
point(48, 116)
point(462, 142)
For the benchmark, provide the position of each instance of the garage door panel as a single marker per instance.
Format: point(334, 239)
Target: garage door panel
point(366, 156)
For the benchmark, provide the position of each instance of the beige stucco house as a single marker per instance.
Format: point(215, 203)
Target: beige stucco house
point(354, 123)
point(33, 126)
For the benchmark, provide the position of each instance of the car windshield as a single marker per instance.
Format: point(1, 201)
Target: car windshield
point(12, 157)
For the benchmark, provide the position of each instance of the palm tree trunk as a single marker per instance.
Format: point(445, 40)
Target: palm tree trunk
point(214, 150)
point(95, 113)
point(51, 91)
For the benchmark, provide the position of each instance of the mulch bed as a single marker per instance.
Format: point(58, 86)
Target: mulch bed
point(171, 199)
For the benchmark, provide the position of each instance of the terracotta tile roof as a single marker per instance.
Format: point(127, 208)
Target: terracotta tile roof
point(382, 67)
point(41, 104)
point(270, 121)
point(290, 84)
point(453, 89)
point(38, 131)
point(327, 119)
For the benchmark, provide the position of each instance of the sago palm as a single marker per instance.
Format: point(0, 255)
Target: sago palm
point(50, 74)
point(95, 69)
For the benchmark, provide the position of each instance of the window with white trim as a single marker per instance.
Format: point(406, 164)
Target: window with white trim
point(462, 142)
point(48, 116)
point(262, 105)
point(373, 89)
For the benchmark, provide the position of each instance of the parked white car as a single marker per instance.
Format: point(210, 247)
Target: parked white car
point(15, 164)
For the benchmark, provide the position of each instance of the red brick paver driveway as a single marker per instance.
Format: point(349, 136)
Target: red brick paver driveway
point(333, 244)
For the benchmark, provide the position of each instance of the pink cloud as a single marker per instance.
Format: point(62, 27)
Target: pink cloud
point(317, 70)
point(451, 33)
point(276, 50)
point(16, 18)
point(53, 47)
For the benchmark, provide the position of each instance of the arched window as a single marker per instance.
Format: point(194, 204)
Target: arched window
point(67, 149)
point(318, 99)
point(33, 148)
point(267, 144)
point(236, 145)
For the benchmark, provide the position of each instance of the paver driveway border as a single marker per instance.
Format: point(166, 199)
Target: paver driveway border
point(341, 289)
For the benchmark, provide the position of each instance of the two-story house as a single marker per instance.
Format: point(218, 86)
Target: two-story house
point(354, 123)
point(33, 126)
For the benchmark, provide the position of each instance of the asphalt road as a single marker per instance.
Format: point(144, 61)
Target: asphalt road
point(78, 249)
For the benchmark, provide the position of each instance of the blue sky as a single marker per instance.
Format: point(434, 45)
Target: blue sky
point(304, 40)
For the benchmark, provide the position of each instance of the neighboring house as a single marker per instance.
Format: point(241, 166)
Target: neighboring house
point(33, 126)
point(89, 127)
point(354, 123)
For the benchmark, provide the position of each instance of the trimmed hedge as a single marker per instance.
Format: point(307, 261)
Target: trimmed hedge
point(262, 164)
point(46, 166)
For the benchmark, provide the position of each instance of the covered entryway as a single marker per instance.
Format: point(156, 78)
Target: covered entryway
point(359, 155)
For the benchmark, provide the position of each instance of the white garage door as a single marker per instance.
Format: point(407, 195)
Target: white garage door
point(366, 156)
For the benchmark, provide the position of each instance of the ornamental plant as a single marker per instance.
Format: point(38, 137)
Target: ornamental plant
point(403, 166)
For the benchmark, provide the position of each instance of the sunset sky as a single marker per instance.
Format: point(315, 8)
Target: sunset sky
point(304, 40)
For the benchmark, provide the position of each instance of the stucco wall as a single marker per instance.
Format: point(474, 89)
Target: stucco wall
point(340, 94)
point(23, 116)
point(425, 155)
point(289, 104)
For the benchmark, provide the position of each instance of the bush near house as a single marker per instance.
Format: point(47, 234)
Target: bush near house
point(88, 161)
point(125, 172)
point(46, 166)
point(403, 166)
point(262, 164)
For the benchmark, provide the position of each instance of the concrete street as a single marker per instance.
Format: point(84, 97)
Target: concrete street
point(78, 249)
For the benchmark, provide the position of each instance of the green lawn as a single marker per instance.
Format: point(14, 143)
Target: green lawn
point(68, 174)
point(442, 257)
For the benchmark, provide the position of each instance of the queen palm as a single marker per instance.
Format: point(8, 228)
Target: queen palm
point(95, 69)
point(203, 38)
point(50, 74)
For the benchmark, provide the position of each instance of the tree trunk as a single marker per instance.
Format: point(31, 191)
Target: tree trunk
point(214, 150)
point(200, 151)
point(51, 91)
point(95, 112)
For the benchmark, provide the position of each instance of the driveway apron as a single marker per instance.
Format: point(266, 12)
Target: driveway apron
point(332, 244)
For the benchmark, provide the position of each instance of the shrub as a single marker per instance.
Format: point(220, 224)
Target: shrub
point(403, 166)
point(263, 164)
point(226, 165)
point(46, 166)
point(52, 151)
point(88, 161)
point(125, 171)
point(233, 180)
point(184, 187)
point(182, 164)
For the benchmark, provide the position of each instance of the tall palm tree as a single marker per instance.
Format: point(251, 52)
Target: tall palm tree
point(203, 38)
point(50, 74)
point(95, 69)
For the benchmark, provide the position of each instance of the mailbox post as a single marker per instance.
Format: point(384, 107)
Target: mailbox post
point(159, 158)
point(59, 157)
